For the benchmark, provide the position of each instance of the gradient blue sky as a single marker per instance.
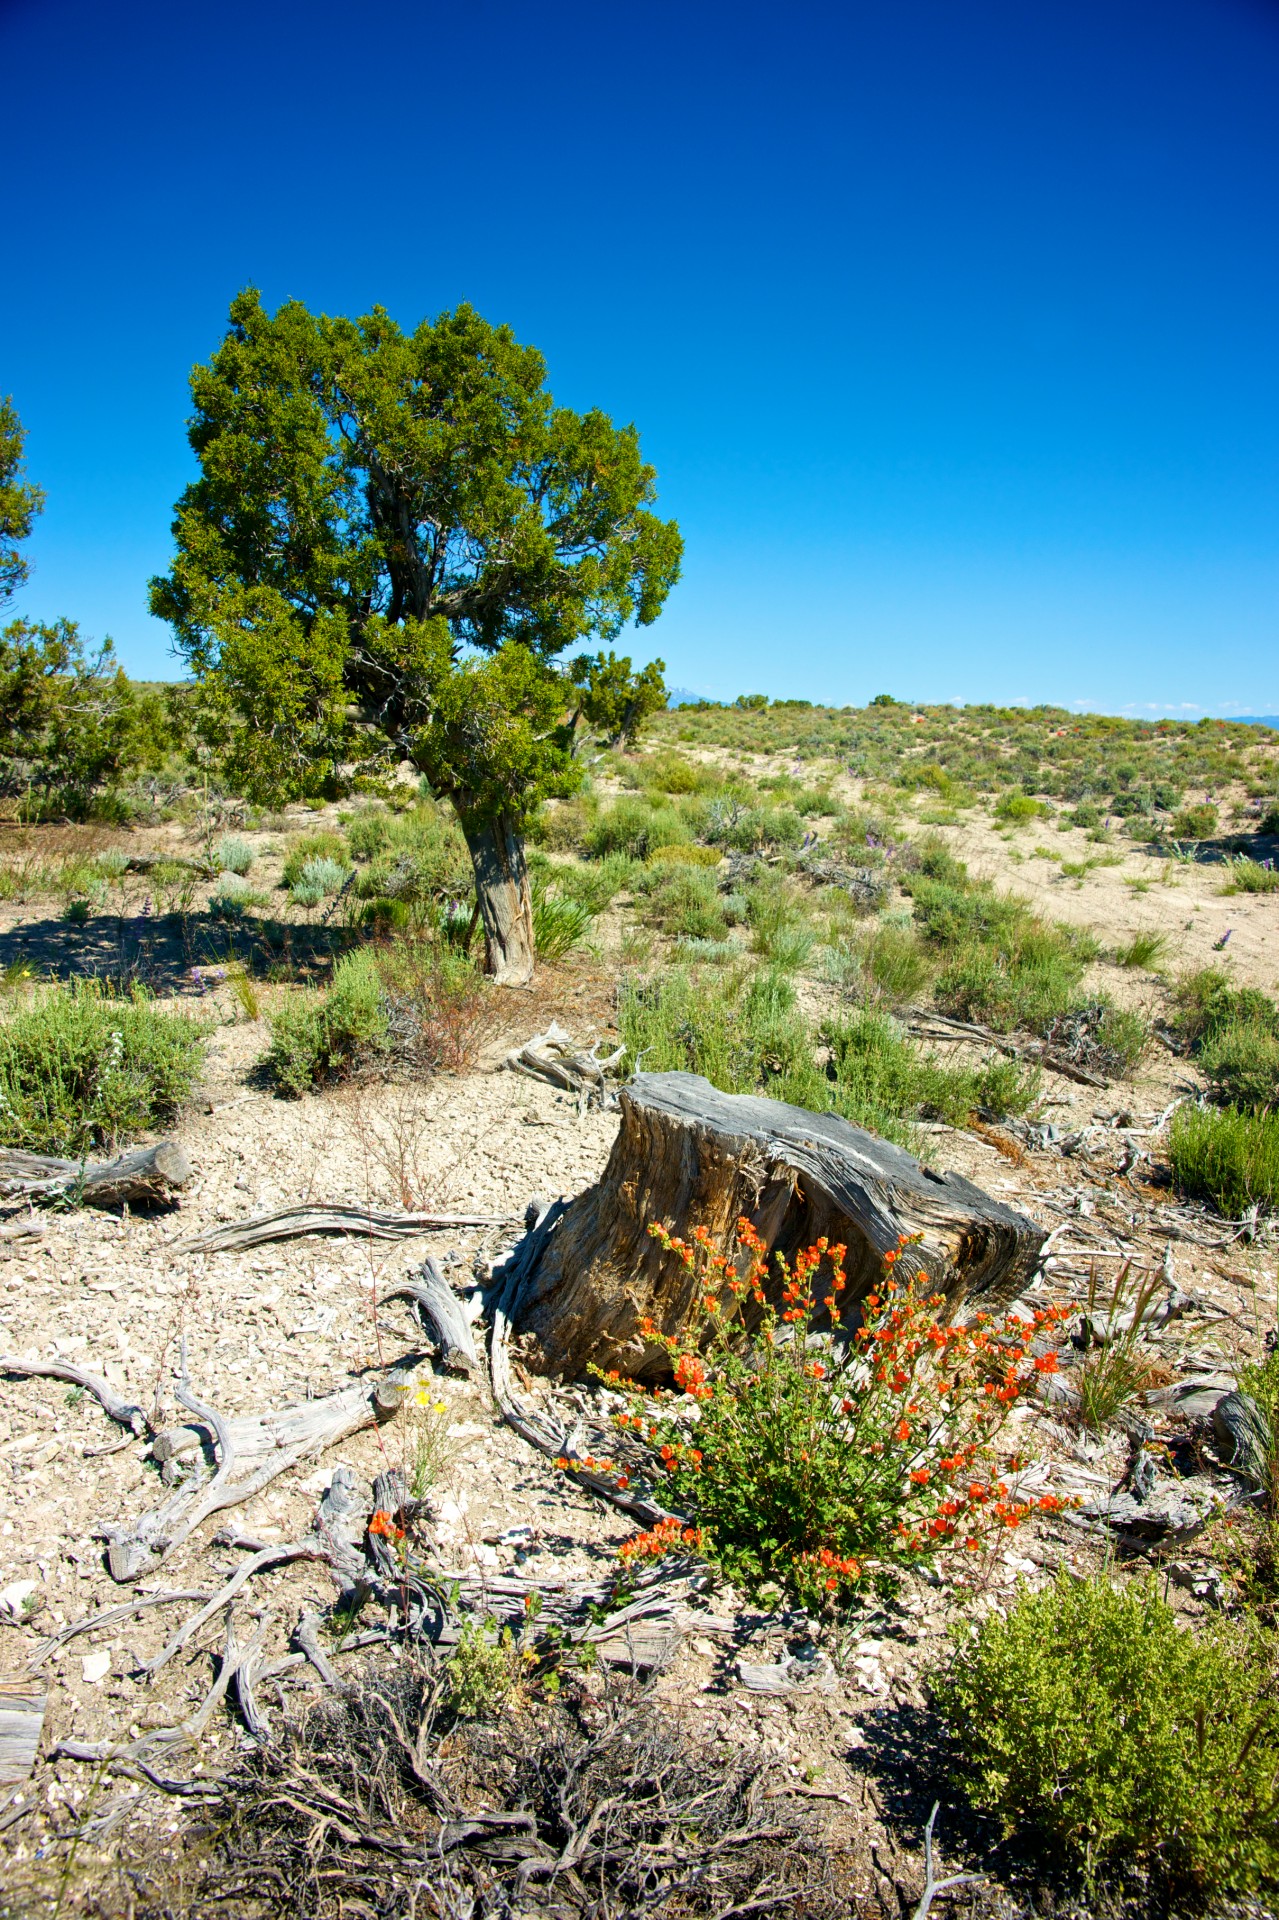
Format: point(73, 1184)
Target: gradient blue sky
point(951, 328)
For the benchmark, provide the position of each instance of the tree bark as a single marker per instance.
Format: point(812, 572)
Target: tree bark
point(689, 1156)
point(506, 905)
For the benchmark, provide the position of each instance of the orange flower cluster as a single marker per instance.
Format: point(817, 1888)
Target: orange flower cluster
point(384, 1526)
point(668, 1536)
point(830, 1568)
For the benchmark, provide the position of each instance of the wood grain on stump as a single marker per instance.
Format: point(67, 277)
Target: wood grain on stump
point(687, 1155)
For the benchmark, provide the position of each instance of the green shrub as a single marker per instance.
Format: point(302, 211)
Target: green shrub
point(382, 917)
point(1234, 1034)
point(635, 827)
point(685, 853)
point(367, 832)
point(329, 847)
point(81, 1071)
point(233, 895)
point(883, 1081)
point(669, 772)
point(684, 902)
point(112, 863)
point(1270, 822)
point(1020, 807)
point(744, 1033)
point(320, 1036)
point(895, 962)
point(1225, 1156)
point(232, 854)
point(1197, 822)
point(599, 884)
point(1090, 1720)
point(565, 825)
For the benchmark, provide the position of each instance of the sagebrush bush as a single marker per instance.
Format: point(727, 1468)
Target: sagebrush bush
point(314, 846)
point(1226, 1156)
point(684, 902)
point(81, 1071)
point(233, 854)
point(1091, 1720)
point(1234, 1035)
point(743, 1032)
point(819, 1468)
point(635, 827)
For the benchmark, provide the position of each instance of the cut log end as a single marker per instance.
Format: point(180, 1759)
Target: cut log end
point(689, 1156)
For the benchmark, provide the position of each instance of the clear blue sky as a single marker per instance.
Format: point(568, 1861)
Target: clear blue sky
point(952, 329)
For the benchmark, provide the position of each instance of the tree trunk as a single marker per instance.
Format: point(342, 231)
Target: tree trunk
point(689, 1156)
point(501, 887)
point(141, 1177)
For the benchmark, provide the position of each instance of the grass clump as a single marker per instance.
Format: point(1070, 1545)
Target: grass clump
point(1088, 1720)
point(1147, 948)
point(1226, 1156)
point(1233, 1033)
point(1250, 876)
point(559, 924)
point(743, 1032)
point(81, 1071)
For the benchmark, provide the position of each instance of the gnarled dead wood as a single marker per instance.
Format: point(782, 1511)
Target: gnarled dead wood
point(253, 1451)
point(443, 1314)
point(551, 1441)
point(140, 1178)
point(22, 1704)
point(291, 1223)
point(928, 1024)
point(122, 1411)
point(689, 1156)
point(556, 1056)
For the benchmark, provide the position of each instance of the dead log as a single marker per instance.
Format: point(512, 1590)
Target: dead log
point(291, 1223)
point(22, 1704)
point(140, 1178)
point(688, 1155)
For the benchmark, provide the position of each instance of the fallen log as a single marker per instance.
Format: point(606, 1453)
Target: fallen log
point(291, 1223)
point(927, 1024)
point(138, 1178)
point(687, 1155)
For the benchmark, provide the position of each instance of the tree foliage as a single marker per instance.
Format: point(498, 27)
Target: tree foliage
point(392, 539)
point(613, 697)
point(20, 502)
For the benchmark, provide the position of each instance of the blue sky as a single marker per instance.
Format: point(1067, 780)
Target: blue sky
point(951, 330)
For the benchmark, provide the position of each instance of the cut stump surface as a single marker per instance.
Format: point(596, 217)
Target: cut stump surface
point(690, 1156)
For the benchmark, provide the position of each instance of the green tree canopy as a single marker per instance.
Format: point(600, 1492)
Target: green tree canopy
point(392, 540)
point(613, 697)
point(20, 502)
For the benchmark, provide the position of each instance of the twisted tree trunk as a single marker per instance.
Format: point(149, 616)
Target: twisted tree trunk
point(502, 891)
point(689, 1156)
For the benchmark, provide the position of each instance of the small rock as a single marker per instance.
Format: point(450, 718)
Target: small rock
point(95, 1667)
point(14, 1599)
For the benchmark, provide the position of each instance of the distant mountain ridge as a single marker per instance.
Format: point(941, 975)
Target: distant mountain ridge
point(1258, 720)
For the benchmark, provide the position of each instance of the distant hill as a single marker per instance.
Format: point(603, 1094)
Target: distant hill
point(1258, 720)
point(683, 697)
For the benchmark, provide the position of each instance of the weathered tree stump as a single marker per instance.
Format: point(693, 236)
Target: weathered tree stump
point(687, 1155)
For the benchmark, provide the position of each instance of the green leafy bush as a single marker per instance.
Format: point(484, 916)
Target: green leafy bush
point(1234, 1034)
point(320, 1036)
point(684, 902)
point(743, 1032)
point(815, 1468)
point(1020, 807)
point(1198, 822)
point(598, 884)
point(81, 1071)
point(1090, 1720)
point(1225, 1156)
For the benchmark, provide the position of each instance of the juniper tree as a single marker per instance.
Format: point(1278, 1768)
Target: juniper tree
point(393, 538)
